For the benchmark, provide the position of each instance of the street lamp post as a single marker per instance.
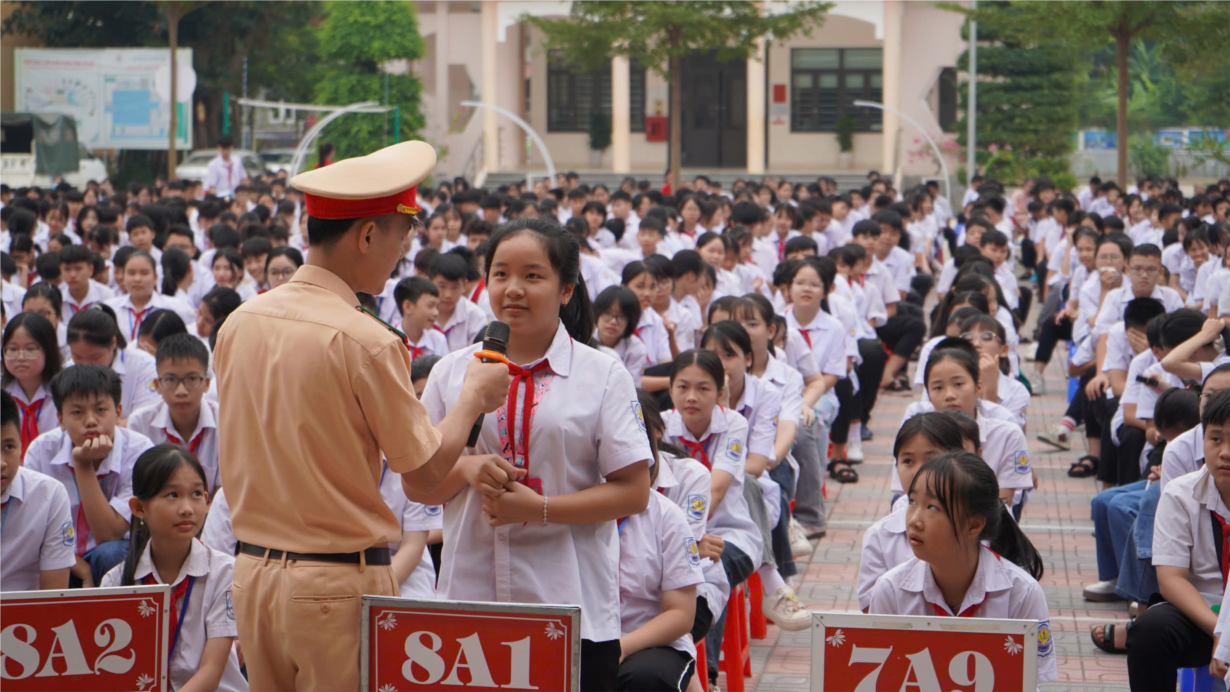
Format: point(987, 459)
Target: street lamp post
point(938, 154)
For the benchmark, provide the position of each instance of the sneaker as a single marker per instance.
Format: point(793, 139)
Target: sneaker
point(865, 433)
point(1058, 437)
point(784, 609)
point(800, 547)
point(1037, 383)
point(854, 445)
point(1102, 592)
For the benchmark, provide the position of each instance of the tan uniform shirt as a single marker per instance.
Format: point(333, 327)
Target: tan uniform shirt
point(311, 392)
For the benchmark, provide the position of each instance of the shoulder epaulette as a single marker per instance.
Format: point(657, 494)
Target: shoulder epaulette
point(400, 334)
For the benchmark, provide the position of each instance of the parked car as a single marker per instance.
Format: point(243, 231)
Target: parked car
point(277, 159)
point(19, 164)
point(195, 166)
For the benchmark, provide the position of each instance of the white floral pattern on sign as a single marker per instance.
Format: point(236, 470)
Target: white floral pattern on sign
point(387, 687)
point(146, 607)
point(1012, 646)
point(387, 621)
point(554, 632)
point(837, 640)
point(145, 681)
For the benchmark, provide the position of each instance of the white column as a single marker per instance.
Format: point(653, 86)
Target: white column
point(621, 115)
point(490, 84)
point(442, 61)
point(892, 85)
point(756, 96)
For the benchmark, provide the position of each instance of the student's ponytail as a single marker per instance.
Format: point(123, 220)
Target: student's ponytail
point(965, 487)
point(138, 537)
point(150, 474)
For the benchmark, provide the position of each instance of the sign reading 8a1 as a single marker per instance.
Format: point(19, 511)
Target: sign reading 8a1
point(431, 645)
point(95, 639)
point(879, 653)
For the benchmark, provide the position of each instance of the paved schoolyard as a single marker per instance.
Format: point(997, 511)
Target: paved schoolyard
point(1056, 520)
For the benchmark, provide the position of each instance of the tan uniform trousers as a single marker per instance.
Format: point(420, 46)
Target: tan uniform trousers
point(299, 621)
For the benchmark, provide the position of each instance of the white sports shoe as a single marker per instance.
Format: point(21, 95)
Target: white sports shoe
point(800, 547)
point(784, 609)
point(854, 443)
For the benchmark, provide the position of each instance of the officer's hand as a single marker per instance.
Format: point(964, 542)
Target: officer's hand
point(488, 382)
point(489, 473)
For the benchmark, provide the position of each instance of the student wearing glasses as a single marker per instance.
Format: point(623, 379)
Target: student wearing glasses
point(280, 264)
point(183, 417)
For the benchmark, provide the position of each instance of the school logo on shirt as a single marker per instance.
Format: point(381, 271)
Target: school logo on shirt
point(639, 413)
point(1022, 462)
point(693, 551)
point(734, 448)
point(1044, 637)
point(69, 534)
point(696, 507)
point(433, 510)
point(230, 606)
point(152, 386)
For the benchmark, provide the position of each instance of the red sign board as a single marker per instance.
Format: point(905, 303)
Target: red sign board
point(873, 653)
point(95, 639)
point(433, 645)
point(655, 129)
point(779, 93)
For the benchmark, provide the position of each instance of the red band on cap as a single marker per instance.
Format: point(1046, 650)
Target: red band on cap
point(404, 202)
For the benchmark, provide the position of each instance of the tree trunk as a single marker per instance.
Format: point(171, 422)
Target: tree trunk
point(677, 121)
point(173, 35)
point(1122, 44)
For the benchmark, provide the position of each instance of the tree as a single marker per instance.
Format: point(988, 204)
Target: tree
point(175, 11)
point(661, 34)
point(1190, 33)
point(356, 43)
point(1027, 94)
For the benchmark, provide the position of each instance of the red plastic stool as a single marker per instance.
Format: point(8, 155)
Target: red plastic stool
point(702, 665)
point(755, 593)
point(736, 659)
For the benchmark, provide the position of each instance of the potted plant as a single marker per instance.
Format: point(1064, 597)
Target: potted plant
point(599, 138)
point(845, 141)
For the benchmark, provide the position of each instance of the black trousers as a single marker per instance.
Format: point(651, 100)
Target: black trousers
point(656, 669)
point(849, 408)
point(869, 373)
point(1027, 300)
point(1103, 411)
point(1078, 408)
point(703, 620)
point(920, 286)
point(599, 665)
point(1029, 253)
point(1041, 270)
point(1125, 461)
point(1160, 642)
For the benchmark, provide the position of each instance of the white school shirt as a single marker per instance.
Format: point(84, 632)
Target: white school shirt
point(879, 275)
point(728, 284)
point(633, 354)
point(747, 274)
point(597, 275)
point(1000, 590)
point(687, 483)
point(1131, 392)
point(138, 373)
point(587, 425)
point(1195, 298)
point(1088, 302)
point(36, 532)
point(884, 547)
point(652, 331)
point(924, 354)
point(760, 405)
point(155, 423)
point(209, 613)
point(13, 295)
point(1183, 531)
point(725, 442)
point(1183, 455)
point(798, 355)
point(47, 417)
point(217, 533)
point(657, 553)
point(826, 337)
point(778, 245)
point(130, 319)
point(52, 454)
point(1013, 396)
point(465, 324)
point(1116, 301)
point(687, 323)
point(1172, 258)
point(97, 293)
point(900, 265)
point(431, 342)
point(1146, 233)
point(948, 274)
point(790, 386)
point(1118, 349)
point(1146, 404)
point(413, 517)
point(1216, 284)
point(921, 232)
point(386, 305)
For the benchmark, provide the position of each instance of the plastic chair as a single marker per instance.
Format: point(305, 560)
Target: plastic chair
point(736, 659)
point(1199, 680)
point(702, 665)
point(758, 626)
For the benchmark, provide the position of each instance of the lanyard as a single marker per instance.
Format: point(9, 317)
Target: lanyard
point(177, 622)
point(620, 528)
point(4, 513)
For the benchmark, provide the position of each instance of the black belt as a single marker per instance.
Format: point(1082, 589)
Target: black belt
point(372, 556)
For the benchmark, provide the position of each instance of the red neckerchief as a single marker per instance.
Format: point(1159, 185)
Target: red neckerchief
point(176, 595)
point(519, 375)
point(1224, 553)
point(701, 447)
point(29, 421)
point(196, 441)
point(478, 289)
point(138, 316)
point(806, 336)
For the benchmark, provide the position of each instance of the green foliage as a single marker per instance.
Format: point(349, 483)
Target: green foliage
point(845, 126)
point(599, 132)
point(1207, 147)
point(355, 40)
point(1148, 157)
point(1012, 168)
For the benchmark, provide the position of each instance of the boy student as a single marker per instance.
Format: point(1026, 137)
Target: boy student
point(1123, 435)
point(183, 417)
point(37, 540)
point(141, 235)
point(418, 302)
point(93, 458)
point(1188, 542)
point(458, 319)
point(994, 246)
point(255, 251)
point(80, 291)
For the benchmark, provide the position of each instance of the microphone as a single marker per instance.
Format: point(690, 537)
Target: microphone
point(495, 339)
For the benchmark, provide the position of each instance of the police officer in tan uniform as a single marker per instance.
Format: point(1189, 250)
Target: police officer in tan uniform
point(313, 391)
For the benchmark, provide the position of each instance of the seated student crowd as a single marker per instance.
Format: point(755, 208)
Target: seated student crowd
point(760, 331)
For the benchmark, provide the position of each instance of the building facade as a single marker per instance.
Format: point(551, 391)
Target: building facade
point(776, 112)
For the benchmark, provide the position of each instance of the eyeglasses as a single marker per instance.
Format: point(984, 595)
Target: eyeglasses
point(171, 382)
point(28, 353)
point(616, 319)
point(280, 273)
point(1148, 271)
point(979, 336)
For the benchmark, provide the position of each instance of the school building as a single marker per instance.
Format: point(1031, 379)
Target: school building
point(775, 113)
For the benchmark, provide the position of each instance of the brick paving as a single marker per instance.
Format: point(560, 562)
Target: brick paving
point(1056, 520)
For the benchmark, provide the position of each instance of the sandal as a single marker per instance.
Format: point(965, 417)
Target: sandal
point(898, 385)
point(1108, 639)
point(1084, 467)
point(844, 474)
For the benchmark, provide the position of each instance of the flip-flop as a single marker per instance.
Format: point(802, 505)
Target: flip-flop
point(1084, 467)
point(1108, 640)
